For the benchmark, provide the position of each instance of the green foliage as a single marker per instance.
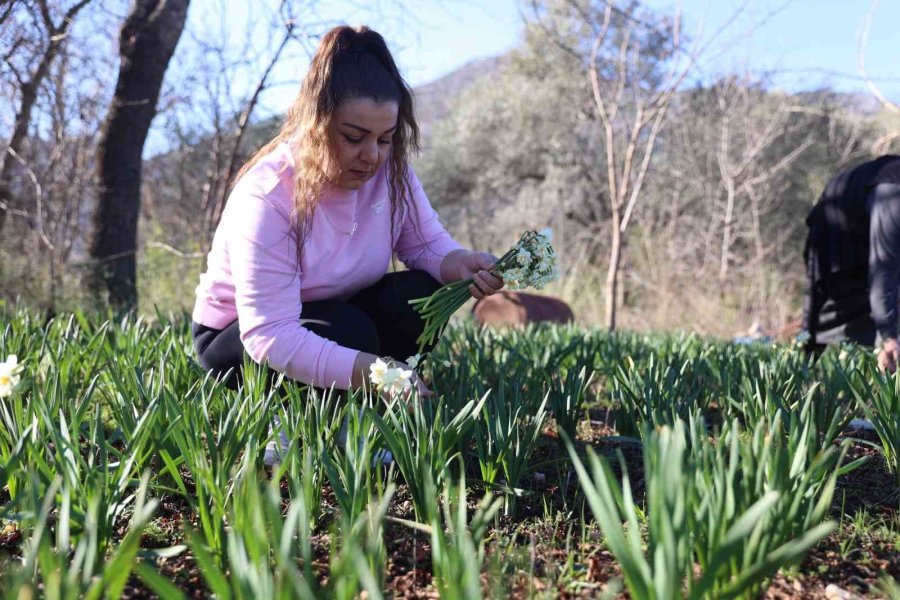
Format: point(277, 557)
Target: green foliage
point(114, 417)
point(423, 439)
point(740, 508)
point(69, 564)
point(878, 396)
point(567, 395)
point(657, 396)
point(457, 542)
point(310, 421)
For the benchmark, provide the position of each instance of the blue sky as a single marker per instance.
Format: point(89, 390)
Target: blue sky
point(798, 44)
point(806, 42)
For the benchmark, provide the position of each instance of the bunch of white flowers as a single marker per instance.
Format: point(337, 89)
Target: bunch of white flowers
point(535, 262)
point(532, 262)
point(390, 380)
point(9, 375)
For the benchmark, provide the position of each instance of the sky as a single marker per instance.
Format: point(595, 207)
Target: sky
point(796, 44)
point(807, 43)
point(803, 43)
point(429, 38)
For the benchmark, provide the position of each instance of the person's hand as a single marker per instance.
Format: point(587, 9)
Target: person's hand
point(889, 355)
point(476, 266)
point(419, 385)
point(416, 383)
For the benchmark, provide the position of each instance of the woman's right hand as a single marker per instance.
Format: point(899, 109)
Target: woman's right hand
point(416, 381)
point(419, 385)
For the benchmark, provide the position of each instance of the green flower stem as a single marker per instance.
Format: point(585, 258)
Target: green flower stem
point(437, 309)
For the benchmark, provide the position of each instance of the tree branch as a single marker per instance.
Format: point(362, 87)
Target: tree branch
point(863, 47)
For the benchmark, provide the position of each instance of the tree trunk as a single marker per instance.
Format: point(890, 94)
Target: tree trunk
point(612, 273)
point(726, 238)
point(146, 44)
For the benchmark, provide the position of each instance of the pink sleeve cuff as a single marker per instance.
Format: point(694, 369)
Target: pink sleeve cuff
point(336, 367)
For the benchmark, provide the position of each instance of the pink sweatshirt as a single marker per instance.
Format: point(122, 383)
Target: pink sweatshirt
point(252, 273)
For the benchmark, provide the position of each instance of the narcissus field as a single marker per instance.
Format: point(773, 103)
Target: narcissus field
point(553, 461)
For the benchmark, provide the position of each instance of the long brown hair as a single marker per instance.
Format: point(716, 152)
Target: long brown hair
point(350, 63)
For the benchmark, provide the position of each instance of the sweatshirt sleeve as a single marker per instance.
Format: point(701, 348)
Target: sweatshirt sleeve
point(423, 242)
point(884, 257)
point(266, 274)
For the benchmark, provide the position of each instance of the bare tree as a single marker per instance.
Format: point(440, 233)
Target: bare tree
point(226, 156)
point(744, 139)
point(214, 124)
point(54, 36)
point(722, 217)
point(146, 44)
point(636, 63)
point(632, 106)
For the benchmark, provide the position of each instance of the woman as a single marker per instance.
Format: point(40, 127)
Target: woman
point(296, 274)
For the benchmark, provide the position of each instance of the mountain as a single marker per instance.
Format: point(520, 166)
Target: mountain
point(434, 100)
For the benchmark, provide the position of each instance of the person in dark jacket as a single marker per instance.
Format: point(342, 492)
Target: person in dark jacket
point(853, 260)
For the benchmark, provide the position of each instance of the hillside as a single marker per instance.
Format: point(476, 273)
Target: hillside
point(434, 100)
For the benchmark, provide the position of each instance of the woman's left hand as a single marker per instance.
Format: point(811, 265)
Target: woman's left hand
point(475, 265)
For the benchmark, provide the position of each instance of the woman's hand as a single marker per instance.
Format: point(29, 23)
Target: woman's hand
point(364, 363)
point(419, 385)
point(422, 392)
point(465, 264)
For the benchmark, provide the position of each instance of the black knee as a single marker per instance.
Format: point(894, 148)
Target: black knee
point(404, 325)
point(343, 324)
point(220, 352)
point(418, 284)
point(406, 286)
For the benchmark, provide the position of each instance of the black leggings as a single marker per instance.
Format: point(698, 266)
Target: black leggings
point(378, 320)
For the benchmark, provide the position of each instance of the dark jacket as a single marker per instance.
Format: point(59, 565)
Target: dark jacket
point(839, 253)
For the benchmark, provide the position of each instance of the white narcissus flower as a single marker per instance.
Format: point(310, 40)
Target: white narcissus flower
point(531, 263)
point(389, 380)
point(523, 257)
point(513, 278)
point(413, 361)
point(9, 375)
point(396, 381)
point(401, 381)
point(513, 284)
point(377, 371)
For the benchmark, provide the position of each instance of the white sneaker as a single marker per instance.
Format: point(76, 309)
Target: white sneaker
point(276, 449)
point(382, 456)
point(862, 424)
